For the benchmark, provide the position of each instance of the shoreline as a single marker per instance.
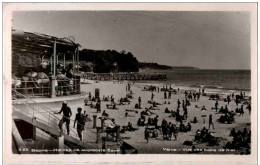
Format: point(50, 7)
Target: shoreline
point(222, 91)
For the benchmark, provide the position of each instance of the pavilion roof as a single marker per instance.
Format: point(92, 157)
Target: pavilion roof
point(41, 44)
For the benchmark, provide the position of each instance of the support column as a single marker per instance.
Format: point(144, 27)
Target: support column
point(51, 64)
point(52, 82)
point(54, 57)
point(98, 134)
point(61, 144)
point(78, 59)
point(34, 128)
point(94, 121)
point(78, 84)
point(64, 62)
point(73, 62)
point(102, 124)
point(57, 59)
point(117, 133)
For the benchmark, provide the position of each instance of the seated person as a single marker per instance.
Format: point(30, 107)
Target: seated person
point(137, 106)
point(141, 122)
point(173, 114)
point(105, 114)
point(146, 112)
point(105, 98)
point(153, 108)
point(221, 110)
point(150, 121)
point(167, 110)
point(188, 127)
point(130, 127)
point(198, 135)
point(125, 99)
point(154, 104)
point(203, 108)
point(155, 133)
point(111, 106)
point(182, 128)
point(93, 99)
point(195, 120)
point(232, 132)
point(87, 104)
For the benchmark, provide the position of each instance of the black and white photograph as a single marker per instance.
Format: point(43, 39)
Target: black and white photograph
point(133, 81)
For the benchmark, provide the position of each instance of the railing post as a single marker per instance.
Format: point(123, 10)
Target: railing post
point(78, 84)
point(34, 128)
point(27, 106)
point(94, 121)
point(61, 144)
point(52, 82)
point(102, 124)
point(98, 134)
point(117, 133)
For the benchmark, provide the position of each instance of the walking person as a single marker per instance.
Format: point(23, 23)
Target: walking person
point(185, 113)
point(175, 132)
point(216, 106)
point(65, 109)
point(241, 111)
point(169, 94)
point(211, 122)
point(228, 99)
point(178, 102)
point(165, 95)
point(79, 119)
point(152, 96)
point(146, 134)
point(249, 108)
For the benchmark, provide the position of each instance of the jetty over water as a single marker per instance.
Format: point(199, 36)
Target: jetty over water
point(124, 76)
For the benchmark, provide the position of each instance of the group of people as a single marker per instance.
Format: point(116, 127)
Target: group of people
point(80, 119)
point(192, 96)
point(240, 139)
point(205, 136)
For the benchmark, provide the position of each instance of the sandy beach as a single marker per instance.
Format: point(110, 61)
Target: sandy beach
point(136, 138)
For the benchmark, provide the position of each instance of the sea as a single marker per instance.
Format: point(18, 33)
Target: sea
point(213, 80)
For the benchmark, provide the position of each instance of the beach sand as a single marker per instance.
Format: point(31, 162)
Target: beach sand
point(136, 138)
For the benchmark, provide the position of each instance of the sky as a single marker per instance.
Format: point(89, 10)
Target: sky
point(207, 40)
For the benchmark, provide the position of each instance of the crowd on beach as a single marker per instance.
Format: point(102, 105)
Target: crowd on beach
point(169, 129)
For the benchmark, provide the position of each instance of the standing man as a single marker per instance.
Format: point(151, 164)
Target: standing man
point(139, 102)
point(80, 118)
point(152, 96)
point(146, 134)
point(179, 103)
point(66, 116)
point(169, 94)
point(156, 121)
point(211, 122)
point(216, 106)
point(228, 99)
point(249, 108)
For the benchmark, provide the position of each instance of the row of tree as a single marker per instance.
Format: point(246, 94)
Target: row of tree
point(105, 61)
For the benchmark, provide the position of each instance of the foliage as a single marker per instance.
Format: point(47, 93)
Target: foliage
point(106, 61)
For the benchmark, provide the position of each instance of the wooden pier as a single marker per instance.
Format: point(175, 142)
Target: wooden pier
point(124, 76)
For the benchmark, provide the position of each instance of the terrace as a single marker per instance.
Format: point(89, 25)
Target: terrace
point(39, 66)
